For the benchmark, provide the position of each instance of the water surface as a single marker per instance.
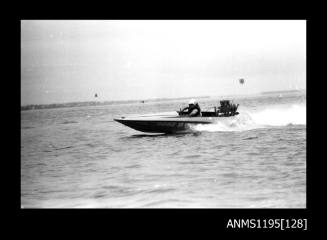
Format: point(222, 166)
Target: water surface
point(79, 157)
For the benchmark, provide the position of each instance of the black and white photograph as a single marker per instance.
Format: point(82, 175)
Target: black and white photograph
point(163, 114)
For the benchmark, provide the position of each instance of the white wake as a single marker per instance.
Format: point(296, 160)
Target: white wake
point(281, 115)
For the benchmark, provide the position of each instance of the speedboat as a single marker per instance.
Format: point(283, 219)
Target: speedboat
point(178, 122)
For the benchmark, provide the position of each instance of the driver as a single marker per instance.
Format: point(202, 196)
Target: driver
point(193, 109)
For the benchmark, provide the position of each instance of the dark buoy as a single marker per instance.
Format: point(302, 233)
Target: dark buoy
point(241, 81)
point(96, 95)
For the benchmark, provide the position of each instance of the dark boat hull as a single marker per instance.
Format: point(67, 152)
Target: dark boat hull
point(164, 125)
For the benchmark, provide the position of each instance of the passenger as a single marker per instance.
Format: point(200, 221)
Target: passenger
point(193, 109)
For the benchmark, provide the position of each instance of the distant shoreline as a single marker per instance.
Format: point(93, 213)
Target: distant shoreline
point(97, 103)
point(283, 91)
point(101, 103)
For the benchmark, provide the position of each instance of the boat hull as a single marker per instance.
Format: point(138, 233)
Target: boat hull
point(164, 125)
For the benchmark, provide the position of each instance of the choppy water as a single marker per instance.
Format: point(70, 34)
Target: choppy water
point(80, 157)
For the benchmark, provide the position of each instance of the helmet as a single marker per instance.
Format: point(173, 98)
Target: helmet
point(192, 101)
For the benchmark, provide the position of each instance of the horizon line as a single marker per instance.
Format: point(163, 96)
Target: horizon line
point(98, 102)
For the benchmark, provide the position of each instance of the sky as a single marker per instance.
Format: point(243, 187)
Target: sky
point(71, 60)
